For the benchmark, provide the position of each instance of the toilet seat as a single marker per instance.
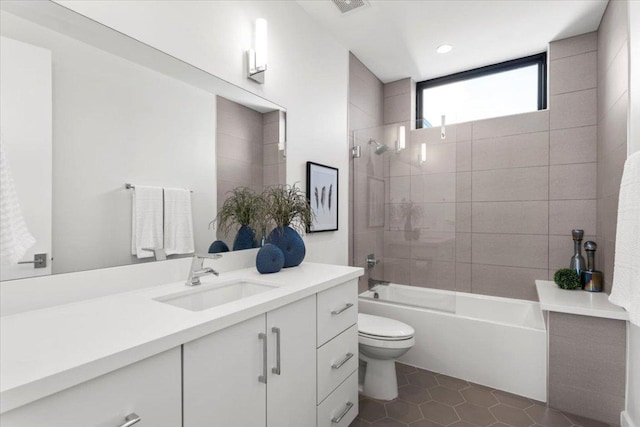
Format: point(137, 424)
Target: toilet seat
point(383, 329)
point(390, 344)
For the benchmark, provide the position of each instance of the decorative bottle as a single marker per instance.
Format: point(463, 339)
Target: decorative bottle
point(591, 279)
point(577, 260)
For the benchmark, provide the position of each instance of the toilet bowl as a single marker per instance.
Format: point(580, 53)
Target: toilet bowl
point(381, 341)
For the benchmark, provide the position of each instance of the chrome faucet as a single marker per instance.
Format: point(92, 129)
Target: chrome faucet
point(197, 271)
point(371, 261)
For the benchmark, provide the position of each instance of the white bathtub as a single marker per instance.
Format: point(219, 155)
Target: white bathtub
point(497, 342)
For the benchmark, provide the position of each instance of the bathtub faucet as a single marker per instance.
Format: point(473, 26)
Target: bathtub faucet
point(374, 282)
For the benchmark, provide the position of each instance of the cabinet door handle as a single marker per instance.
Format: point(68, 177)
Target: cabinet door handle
point(276, 370)
point(263, 378)
point(346, 307)
point(339, 417)
point(339, 364)
point(131, 419)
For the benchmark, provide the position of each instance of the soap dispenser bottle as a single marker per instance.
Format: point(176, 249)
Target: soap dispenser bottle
point(591, 279)
point(577, 261)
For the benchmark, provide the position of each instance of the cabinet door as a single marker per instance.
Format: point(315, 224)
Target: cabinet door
point(150, 388)
point(220, 377)
point(291, 396)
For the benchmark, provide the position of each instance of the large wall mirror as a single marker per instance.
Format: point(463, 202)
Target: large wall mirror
point(86, 109)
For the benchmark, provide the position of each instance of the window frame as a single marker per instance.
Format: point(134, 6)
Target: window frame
point(539, 59)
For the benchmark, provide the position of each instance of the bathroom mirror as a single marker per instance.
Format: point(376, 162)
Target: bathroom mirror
point(251, 151)
point(112, 111)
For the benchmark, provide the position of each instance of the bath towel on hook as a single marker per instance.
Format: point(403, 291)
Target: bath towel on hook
point(625, 290)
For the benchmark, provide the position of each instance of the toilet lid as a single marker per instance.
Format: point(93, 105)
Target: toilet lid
point(383, 327)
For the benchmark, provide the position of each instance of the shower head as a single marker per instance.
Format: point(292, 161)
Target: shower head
point(380, 148)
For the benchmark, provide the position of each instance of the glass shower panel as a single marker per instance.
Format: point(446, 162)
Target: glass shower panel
point(368, 201)
point(404, 210)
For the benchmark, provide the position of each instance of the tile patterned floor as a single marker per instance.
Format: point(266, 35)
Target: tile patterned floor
point(427, 399)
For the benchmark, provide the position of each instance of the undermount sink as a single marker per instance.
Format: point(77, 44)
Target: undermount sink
point(209, 297)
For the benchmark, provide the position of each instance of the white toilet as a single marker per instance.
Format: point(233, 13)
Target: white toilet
point(381, 341)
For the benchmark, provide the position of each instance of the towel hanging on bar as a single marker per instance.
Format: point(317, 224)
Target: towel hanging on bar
point(133, 187)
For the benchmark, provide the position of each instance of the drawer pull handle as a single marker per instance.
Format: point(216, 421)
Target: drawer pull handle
point(263, 378)
point(346, 307)
point(339, 418)
point(339, 364)
point(131, 419)
point(277, 370)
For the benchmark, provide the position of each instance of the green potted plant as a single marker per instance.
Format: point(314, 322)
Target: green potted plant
point(567, 278)
point(241, 208)
point(289, 210)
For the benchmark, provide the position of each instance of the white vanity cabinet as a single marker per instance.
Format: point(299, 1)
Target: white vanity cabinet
point(260, 372)
point(337, 354)
point(151, 389)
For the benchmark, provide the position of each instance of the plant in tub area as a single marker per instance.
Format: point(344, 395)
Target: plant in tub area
point(289, 210)
point(242, 207)
point(567, 278)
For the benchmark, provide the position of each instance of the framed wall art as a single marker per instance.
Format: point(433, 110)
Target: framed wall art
point(322, 192)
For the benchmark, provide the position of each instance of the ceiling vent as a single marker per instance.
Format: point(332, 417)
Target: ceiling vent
point(347, 6)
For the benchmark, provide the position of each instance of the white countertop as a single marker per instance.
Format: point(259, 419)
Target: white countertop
point(45, 351)
point(596, 304)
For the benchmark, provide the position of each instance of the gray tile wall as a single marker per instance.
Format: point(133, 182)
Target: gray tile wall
point(613, 82)
point(587, 366)
point(366, 95)
point(493, 207)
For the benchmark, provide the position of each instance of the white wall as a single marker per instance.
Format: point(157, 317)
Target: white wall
point(633, 342)
point(307, 73)
point(634, 78)
point(115, 122)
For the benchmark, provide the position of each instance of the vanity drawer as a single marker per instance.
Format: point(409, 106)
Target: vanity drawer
point(342, 402)
point(337, 310)
point(337, 359)
point(150, 388)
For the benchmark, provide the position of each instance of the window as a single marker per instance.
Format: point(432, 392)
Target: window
point(511, 87)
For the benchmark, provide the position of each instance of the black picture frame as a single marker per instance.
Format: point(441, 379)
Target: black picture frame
point(322, 193)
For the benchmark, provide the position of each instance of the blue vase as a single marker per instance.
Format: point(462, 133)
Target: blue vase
point(290, 243)
point(245, 239)
point(218, 246)
point(270, 259)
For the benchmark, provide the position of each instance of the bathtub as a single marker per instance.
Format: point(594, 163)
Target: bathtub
point(497, 342)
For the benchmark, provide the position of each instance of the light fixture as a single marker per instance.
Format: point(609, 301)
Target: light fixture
point(444, 48)
point(257, 57)
point(423, 152)
point(282, 133)
point(401, 141)
point(443, 134)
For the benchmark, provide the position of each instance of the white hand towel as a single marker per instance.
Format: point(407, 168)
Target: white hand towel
point(15, 238)
point(146, 220)
point(625, 291)
point(178, 221)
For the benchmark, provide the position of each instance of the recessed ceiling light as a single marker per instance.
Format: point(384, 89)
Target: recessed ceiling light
point(445, 48)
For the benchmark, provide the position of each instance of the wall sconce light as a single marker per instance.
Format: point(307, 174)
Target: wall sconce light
point(257, 57)
point(401, 141)
point(443, 134)
point(423, 153)
point(282, 133)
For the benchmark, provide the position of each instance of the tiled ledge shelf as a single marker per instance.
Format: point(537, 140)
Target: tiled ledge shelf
point(552, 298)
